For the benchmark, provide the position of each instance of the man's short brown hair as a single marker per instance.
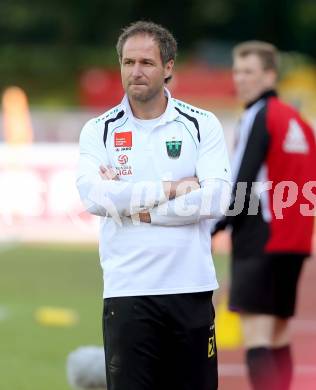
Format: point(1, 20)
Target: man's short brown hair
point(267, 53)
point(165, 40)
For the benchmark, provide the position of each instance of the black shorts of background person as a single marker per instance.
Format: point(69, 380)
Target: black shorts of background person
point(266, 284)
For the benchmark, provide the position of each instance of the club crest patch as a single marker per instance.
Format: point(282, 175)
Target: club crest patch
point(174, 148)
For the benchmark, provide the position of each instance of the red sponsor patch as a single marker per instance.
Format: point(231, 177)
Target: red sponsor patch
point(123, 139)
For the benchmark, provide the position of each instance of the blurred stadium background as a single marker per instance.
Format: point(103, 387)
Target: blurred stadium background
point(58, 68)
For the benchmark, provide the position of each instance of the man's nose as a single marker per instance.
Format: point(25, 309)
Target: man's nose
point(136, 72)
point(238, 78)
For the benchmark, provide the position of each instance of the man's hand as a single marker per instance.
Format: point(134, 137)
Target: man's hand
point(173, 189)
point(144, 217)
point(108, 173)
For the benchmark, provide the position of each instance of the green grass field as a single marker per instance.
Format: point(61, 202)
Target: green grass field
point(33, 356)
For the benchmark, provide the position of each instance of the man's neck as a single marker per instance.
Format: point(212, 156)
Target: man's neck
point(264, 95)
point(150, 109)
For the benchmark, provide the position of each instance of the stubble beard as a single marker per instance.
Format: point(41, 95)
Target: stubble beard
point(144, 96)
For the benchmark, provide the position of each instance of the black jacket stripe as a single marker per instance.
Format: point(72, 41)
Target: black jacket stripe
point(106, 125)
point(192, 119)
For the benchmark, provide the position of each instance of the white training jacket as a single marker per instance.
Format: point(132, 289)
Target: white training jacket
point(171, 255)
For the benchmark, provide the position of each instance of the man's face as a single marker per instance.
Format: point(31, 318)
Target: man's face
point(250, 78)
point(142, 70)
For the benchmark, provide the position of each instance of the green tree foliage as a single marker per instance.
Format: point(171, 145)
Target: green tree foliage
point(45, 44)
point(289, 23)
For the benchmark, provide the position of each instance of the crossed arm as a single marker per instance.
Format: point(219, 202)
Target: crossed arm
point(166, 203)
point(187, 202)
point(171, 189)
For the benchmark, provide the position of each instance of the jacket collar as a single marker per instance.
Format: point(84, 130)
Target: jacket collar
point(169, 115)
point(265, 95)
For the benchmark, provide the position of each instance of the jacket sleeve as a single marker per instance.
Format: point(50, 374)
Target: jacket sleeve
point(254, 155)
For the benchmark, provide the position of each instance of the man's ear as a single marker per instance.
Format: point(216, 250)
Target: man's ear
point(271, 77)
point(168, 69)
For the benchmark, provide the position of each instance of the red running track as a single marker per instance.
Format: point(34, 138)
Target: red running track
point(231, 367)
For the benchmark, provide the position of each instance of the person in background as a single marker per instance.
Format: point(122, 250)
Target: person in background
point(272, 235)
point(156, 170)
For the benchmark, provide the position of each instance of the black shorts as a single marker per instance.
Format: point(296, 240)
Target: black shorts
point(266, 284)
point(161, 342)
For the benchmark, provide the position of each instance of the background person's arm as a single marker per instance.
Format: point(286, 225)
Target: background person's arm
point(254, 155)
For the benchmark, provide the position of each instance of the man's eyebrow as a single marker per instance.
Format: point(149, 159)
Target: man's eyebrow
point(148, 59)
point(142, 59)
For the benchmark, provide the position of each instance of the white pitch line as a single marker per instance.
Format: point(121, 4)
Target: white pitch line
point(7, 246)
point(231, 370)
point(304, 326)
point(239, 370)
point(4, 313)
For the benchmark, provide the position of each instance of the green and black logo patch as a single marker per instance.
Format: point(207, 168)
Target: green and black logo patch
point(174, 148)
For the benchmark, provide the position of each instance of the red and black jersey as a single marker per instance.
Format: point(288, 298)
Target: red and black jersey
point(275, 147)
